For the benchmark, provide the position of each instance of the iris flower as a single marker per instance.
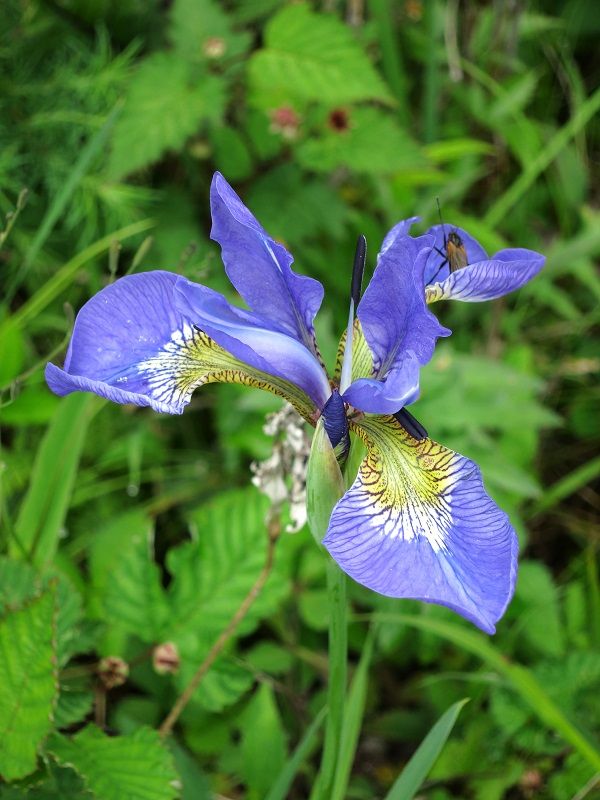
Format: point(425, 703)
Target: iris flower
point(417, 521)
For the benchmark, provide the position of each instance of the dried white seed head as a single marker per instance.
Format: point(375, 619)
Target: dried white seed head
point(282, 476)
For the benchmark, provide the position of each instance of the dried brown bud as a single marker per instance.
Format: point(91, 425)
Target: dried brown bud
point(339, 120)
point(113, 671)
point(214, 47)
point(285, 121)
point(165, 658)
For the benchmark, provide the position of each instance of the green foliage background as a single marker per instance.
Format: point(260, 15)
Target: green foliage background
point(122, 530)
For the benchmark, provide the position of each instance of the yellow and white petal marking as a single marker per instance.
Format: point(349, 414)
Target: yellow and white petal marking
point(362, 360)
point(418, 523)
point(191, 359)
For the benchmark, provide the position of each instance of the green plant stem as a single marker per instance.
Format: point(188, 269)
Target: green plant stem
point(543, 160)
point(336, 689)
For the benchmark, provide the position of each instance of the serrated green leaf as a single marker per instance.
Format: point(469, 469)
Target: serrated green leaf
point(135, 767)
point(165, 105)
point(196, 24)
point(28, 686)
point(310, 56)
point(73, 706)
point(537, 610)
point(133, 596)
point(213, 573)
point(373, 143)
point(19, 583)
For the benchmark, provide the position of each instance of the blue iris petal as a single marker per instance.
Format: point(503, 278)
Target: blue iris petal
point(253, 339)
point(259, 267)
point(399, 328)
point(485, 277)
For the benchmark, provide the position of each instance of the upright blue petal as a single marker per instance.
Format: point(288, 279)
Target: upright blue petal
point(417, 522)
point(400, 330)
point(259, 267)
point(484, 277)
point(253, 339)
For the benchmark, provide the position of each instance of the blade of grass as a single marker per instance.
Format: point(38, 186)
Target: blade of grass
point(283, 782)
point(414, 773)
point(61, 199)
point(46, 502)
point(566, 486)
point(391, 56)
point(61, 279)
point(522, 680)
point(353, 717)
point(542, 161)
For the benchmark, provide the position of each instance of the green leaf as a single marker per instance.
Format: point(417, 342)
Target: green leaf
point(196, 24)
point(73, 706)
point(213, 573)
point(165, 105)
point(373, 143)
point(310, 56)
point(133, 595)
point(45, 506)
point(263, 742)
point(29, 683)
point(536, 609)
point(231, 153)
point(417, 769)
point(116, 768)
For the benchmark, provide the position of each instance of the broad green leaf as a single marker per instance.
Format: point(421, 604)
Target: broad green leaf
point(135, 767)
point(133, 595)
point(201, 30)
point(73, 706)
point(224, 683)
point(195, 785)
point(29, 683)
point(263, 742)
point(304, 208)
point(45, 506)
point(20, 583)
point(310, 56)
point(373, 143)
point(231, 153)
point(414, 773)
point(165, 105)
point(536, 610)
point(213, 573)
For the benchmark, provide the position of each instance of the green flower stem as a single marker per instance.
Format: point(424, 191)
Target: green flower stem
point(338, 672)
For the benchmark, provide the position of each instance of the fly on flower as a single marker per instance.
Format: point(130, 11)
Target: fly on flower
point(454, 253)
point(417, 521)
